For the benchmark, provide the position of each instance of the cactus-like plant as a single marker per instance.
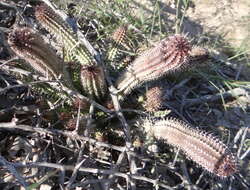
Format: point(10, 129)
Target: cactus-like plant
point(91, 75)
point(93, 81)
point(154, 98)
point(29, 45)
point(57, 26)
point(199, 146)
point(118, 38)
point(170, 55)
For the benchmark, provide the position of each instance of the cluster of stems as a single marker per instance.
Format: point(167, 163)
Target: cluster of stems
point(91, 75)
point(172, 54)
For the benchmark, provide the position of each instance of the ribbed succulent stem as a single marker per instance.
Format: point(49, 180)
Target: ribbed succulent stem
point(199, 146)
point(29, 45)
point(57, 26)
point(74, 70)
point(118, 38)
point(170, 55)
point(93, 82)
point(154, 98)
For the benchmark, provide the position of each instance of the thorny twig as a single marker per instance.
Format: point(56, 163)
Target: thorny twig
point(80, 161)
point(89, 120)
point(242, 141)
point(8, 61)
point(13, 171)
point(131, 159)
point(74, 174)
point(126, 131)
point(11, 126)
point(3, 90)
point(236, 92)
point(90, 170)
point(186, 176)
point(245, 154)
point(56, 86)
point(115, 168)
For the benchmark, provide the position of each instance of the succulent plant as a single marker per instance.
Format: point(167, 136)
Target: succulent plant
point(57, 26)
point(91, 75)
point(170, 55)
point(30, 46)
point(118, 38)
point(93, 81)
point(199, 146)
point(154, 98)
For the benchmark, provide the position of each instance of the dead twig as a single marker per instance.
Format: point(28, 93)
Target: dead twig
point(13, 171)
point(7, 6)
point(126, 130)
point(90, 170)
point(80, 161)
point(243, 138)
point(11, 126)
point(233, 93)
point(3, 90)
point(74, 174)
point(56, 86)
point(115, 168)
point(8, 61)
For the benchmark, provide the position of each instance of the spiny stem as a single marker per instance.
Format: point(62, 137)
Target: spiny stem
point(57, 26)
point(93, 81)
point(118, 38)
point(154, 98)
point(29, 45)
point(170, 55)
point(199, 146)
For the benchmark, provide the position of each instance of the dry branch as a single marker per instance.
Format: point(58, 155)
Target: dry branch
point(233, 93)
point(11, 126)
